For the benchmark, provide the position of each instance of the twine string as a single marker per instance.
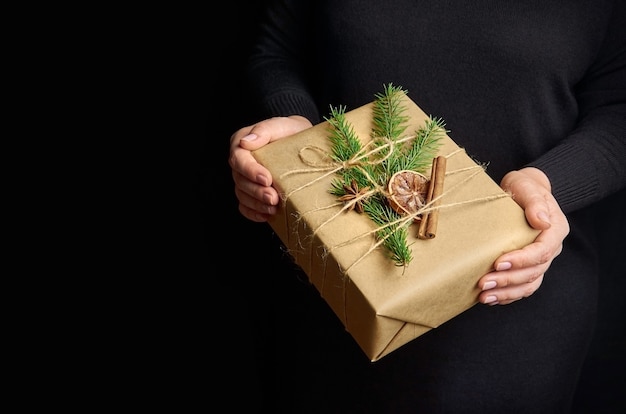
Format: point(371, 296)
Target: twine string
point(359, 160)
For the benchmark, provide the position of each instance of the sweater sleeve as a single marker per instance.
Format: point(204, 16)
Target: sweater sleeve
point(591, 163)
point(278, 73)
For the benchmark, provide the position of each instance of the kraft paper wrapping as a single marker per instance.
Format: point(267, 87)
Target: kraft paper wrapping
point(384, 306)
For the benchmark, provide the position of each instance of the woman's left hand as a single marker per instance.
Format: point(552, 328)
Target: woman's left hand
point(518, 274)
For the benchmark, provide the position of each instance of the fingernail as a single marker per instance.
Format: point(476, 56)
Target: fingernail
point(489, 285)
point(503, 266)
point(543, 216)
point(262, 180)
point(249, 137)
point(490, 299)
point(267, 199)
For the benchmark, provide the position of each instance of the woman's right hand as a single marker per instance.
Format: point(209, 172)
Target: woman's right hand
point(253, 182)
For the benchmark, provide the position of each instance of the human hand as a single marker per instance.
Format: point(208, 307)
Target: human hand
point(253, 182)
point(518, 274)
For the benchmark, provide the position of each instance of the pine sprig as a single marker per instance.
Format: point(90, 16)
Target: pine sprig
point(390, 124)
point(388, 110)
point(345, 146)
point(394, 237)
point(345, 142)
point(424, 147)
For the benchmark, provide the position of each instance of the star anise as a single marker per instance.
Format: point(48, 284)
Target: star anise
point(353, 192)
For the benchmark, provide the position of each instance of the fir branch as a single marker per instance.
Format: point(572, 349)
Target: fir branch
point(387, 113)
point(390, 124)
point(424, 147)
point(345, 142)
point(394, 237)
point(345, 145)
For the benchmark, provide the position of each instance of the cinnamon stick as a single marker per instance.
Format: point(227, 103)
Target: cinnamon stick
point(428, 225)
point(421, 233)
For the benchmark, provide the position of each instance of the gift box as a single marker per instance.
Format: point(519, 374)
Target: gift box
point(382, 305)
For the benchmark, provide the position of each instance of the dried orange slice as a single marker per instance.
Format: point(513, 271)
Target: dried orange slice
point(407, 191)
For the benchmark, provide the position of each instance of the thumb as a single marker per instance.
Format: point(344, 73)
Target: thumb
point(531, 190)
point(273, 129)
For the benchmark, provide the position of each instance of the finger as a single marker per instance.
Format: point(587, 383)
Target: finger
point(242, 162)
point(271, 130)
point(253, 204)
point(253, 215)
point(534, 203)
point(513, 292)
point(511, 278)
point(537, 212)
point(516, 273)
point(519, 268)
point(546, 246)
point(531, 189)
point(253, 137)
point(261, 193)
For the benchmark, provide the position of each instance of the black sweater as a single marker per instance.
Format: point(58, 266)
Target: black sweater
point(518, 83)
point(539, 83)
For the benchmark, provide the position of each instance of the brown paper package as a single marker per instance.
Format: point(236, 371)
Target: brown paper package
point(384, 306)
